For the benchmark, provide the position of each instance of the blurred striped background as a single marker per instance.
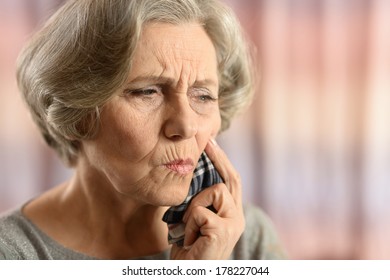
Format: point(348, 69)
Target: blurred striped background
point(314, 148)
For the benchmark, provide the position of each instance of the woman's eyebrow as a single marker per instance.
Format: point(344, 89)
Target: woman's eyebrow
point(170, 81)
point(151, 79)
point(206, 83)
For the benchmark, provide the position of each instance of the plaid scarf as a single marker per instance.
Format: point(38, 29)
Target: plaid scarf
point(205, 175)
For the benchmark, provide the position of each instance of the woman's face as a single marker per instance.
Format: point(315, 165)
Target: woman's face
point(155, 128)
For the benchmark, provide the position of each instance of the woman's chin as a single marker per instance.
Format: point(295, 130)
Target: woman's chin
point(173, 198)
point(163, 189)
point(173, 190)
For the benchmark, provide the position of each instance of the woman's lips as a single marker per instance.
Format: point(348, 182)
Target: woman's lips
point(181, 166)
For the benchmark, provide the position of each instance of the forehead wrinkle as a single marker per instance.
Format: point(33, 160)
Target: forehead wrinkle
point(184, 70)
point(163, 63)
point(179, 58)
point(184, 78)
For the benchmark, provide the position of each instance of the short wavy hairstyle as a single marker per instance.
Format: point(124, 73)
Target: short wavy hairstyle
point(83, 55)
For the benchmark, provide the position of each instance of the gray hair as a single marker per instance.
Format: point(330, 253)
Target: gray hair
point(83, 54)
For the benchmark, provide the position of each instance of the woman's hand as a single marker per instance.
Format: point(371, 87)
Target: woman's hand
point(210, 235)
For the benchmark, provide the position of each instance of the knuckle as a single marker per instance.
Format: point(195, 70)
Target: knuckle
point(212, 238)
point(201, 215)
point(220, 188)
point(197, 209)
point(236, 178)
point(230, 231)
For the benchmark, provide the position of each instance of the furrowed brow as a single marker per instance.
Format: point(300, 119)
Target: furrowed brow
point(206, 83)
point(166, 80)
point(151, 79)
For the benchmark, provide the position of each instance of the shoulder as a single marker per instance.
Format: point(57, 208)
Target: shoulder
point(259, 240)
point(16, 236)
point(8, 230)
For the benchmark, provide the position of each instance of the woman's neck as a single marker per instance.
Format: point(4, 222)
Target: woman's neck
point(87, 215)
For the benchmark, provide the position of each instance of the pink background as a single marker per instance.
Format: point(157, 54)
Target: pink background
point(313, 150)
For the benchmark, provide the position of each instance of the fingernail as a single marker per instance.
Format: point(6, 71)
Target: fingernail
point(212, 140)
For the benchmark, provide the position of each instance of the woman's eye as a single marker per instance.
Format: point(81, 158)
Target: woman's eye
point(143, 91)
point(145, 98)
point(203, 101)
point(206, 98)
point(202, 95)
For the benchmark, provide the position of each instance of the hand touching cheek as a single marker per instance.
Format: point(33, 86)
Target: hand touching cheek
point(210, 235)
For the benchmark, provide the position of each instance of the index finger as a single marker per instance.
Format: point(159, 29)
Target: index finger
point(225, 168)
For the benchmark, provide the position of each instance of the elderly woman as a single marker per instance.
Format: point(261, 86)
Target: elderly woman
point(131, 94)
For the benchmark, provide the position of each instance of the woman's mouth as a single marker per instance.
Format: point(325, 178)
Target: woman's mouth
point(181, 166)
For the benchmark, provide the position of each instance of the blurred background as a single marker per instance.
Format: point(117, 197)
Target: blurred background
point(314, 148)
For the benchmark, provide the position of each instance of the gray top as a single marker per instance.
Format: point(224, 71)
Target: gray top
point(21, 239)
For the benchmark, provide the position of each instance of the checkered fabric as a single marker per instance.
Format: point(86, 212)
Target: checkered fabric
point(205, 175)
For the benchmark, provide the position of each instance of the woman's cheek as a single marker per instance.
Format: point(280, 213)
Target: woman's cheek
point(216, 125)
point(209, 131)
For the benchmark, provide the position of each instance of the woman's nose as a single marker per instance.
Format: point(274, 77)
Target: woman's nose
point(181, 122)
